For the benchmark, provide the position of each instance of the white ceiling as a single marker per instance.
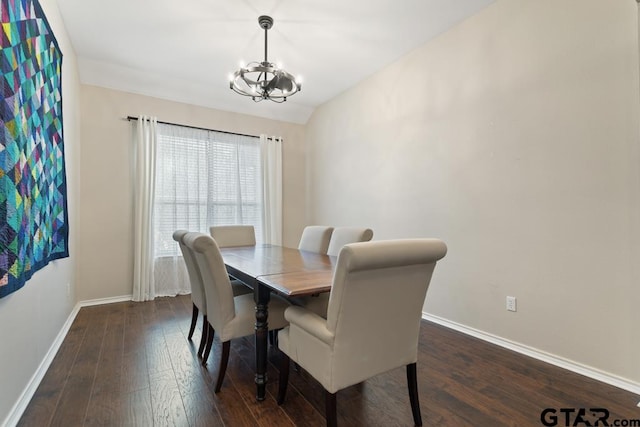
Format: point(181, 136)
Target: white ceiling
point(184, 50)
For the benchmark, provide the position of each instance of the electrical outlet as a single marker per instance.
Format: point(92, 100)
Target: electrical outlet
point(68, 289)
point(511, 304)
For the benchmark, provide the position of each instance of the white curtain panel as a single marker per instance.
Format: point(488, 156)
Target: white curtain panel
point(271, 160)
point(145, 161)
point(191, 179)
point(203, 178)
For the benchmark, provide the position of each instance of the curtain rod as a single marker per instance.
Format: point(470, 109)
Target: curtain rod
point(199, 128)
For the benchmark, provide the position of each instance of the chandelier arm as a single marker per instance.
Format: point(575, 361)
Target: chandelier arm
point(262, 77)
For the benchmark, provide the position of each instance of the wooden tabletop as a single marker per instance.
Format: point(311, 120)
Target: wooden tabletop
point(299, 283)
point(288, 271)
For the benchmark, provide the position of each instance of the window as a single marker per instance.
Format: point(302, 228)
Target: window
point(204, 178)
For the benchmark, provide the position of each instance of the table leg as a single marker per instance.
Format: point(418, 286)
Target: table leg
point(261, 296)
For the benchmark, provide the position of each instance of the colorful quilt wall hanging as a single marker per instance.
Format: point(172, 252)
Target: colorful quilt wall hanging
point(34, 227)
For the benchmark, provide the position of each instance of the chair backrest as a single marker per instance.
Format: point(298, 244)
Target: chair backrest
point(344, 235)
point(217, 287)
point(197, 288)
point(315, 238)
point(233, 235)
point(375, 305)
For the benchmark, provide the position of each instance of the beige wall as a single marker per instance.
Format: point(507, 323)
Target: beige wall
point(32, 317)
point(106, 227)
point(514, 138)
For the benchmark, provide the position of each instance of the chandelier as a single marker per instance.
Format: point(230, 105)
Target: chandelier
point(263, 80)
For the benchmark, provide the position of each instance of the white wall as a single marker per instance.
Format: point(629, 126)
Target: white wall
point(514, 138)
point(32, 317)
point(106, 228)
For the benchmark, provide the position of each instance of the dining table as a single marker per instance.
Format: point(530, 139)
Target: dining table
point(288, 272)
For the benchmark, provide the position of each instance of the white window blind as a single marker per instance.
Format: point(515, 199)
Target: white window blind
point(204, 178)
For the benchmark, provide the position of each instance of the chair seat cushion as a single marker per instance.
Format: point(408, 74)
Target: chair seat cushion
point(243, 323)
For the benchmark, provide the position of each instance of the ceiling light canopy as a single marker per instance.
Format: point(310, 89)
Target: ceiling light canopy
point(264, 80)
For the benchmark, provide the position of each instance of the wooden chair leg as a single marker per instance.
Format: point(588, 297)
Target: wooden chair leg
point(283, 379)
point(204, 337)
point(207, 350)
point(412, 383)
point(223, 364)
point(330, 408)
point(194, 320)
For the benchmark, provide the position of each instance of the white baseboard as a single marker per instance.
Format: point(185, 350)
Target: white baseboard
point(18, 409)
point(101, 301)
point(561, 362)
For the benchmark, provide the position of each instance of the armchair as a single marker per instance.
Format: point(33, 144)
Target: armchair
point(378, 290)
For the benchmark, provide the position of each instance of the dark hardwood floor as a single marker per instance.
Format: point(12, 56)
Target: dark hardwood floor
point(130, 364)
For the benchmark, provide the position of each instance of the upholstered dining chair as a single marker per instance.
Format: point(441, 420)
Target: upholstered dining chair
point(197, 290)
point(378, 290)
point(341, 236)
point(227, 236)
point(232, 317)
point(315, 238)
point(344, 235)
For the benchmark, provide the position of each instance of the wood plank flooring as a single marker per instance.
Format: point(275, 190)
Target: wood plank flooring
point(130, 364)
